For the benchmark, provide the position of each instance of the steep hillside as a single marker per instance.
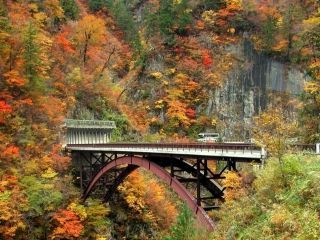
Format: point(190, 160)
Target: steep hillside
point(206, 66)
point(283, 203)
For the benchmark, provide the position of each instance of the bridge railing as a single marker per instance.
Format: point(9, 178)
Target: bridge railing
point(184, 146)
point(245, 148)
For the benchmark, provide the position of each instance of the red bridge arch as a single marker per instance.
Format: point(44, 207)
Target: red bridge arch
point(160, 172)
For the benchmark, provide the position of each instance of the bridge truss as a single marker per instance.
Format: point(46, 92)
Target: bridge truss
point(100, 168)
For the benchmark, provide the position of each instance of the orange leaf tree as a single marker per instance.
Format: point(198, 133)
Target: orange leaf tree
point(89, 32)
point(68, 226)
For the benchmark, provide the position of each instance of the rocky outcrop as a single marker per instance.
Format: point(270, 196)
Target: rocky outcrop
point(254, 83)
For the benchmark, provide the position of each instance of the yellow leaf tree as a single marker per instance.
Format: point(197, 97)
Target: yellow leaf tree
point(272, 130)
point(90, 31)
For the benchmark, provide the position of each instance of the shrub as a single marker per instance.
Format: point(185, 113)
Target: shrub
point(275, 210)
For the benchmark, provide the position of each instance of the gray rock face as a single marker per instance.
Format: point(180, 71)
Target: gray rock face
point(250, 88)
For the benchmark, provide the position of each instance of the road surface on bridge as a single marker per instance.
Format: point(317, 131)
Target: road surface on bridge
point(241, 152)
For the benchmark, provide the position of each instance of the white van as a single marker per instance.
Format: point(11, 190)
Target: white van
point(208, 137)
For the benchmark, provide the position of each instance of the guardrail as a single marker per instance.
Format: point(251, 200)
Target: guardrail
point(202, 147)
point(240, 151)
point(173, 145)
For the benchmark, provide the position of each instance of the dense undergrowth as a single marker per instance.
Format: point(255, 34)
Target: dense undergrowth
point(283, 203)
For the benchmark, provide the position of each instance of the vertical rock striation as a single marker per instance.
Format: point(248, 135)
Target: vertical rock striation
point(255, 82)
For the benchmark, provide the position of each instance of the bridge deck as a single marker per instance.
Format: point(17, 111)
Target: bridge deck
point(241, 152)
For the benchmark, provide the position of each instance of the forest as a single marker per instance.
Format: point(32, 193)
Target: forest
point(163, 71)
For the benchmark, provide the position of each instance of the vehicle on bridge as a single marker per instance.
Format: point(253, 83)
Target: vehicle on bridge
point(208, 137)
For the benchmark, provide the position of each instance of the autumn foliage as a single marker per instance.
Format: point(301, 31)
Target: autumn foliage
point(10, 216)
point(148, 199)
point(157, 73)
point(234, 186)
point(5, 109)
point(68, 225)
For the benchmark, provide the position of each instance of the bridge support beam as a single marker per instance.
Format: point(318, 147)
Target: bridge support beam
point(87, 164)
point(231, 163)
point(198, 183)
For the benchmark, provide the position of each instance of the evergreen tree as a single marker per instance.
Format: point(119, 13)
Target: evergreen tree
point(31, 58)
point(124, 18)
point(184, 228)
point(70, 8)
point(4, 28)
point(172, 17)
point(96, 5)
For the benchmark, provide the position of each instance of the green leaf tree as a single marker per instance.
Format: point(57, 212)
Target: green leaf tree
point(43, 199)
point(70, 8)
point(96, 5)
point(185, 228)
point(36, 61)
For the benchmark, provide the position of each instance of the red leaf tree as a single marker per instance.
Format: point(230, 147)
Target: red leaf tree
point(68, 223)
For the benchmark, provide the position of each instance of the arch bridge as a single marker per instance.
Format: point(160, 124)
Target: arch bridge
point(101, 166)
